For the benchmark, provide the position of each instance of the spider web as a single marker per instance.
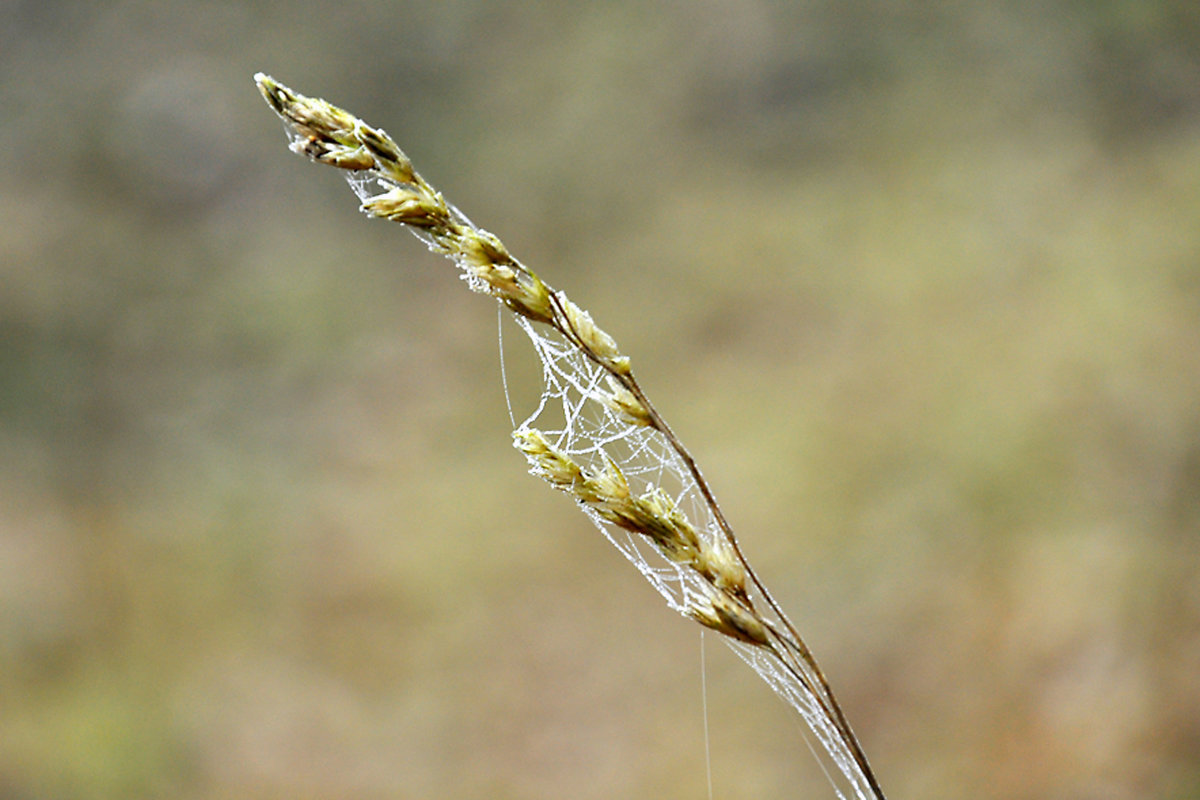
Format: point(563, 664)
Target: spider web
point(573, 417)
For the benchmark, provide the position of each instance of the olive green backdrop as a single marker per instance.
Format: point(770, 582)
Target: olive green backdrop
point(919, 283)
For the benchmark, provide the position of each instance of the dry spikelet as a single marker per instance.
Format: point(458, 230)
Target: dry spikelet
point(554, 466)
point(624, 402)
point(725, 615)
point(591, 338)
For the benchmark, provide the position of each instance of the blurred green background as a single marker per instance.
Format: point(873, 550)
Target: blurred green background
point(919, 283)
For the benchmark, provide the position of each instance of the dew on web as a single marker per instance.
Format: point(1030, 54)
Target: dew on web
point(366, 184)
point(574, 418)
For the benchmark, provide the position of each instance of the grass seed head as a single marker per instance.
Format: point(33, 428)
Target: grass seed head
point(594, 340)
point(725, 615)
point(625, 403)
point(388, 156)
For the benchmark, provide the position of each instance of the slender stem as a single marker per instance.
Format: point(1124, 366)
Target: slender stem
point(793, 641)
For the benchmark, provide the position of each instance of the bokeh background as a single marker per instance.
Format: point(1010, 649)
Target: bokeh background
point(919, 283)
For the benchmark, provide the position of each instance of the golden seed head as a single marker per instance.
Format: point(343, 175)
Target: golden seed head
point(722, 568)
point(495, 279)
point(337, 155)
point(313, 116)
point(403, 204)
point(596, 341)
point(483, 248)
point(725, 615)
point(547, 461)
point(704, 613)
point(608, 488)
point(663, 516)
point(623, 401)
point(390, 158)
point(324, 118)
point(522, 291)
point(277, 95)
point(534, 301)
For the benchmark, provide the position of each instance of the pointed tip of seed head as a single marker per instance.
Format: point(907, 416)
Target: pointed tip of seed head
point(265, 83)
point(272, 91)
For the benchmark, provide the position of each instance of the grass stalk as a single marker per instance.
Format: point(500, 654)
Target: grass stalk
point(613, 452)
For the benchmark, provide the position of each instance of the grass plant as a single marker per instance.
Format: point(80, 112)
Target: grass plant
point(595, 435)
